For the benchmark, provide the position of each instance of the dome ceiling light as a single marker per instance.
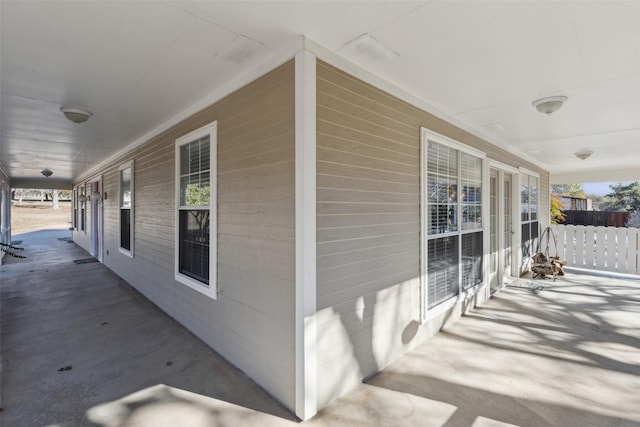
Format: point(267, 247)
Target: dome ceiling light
point(583, 154)
point(46, 172)
point(76, 115)
point(549, 105)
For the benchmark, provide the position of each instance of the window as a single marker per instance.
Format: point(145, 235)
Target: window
point(74, 209)
point(125, 177)
point(452, 227)
point(528, 216)
point(196, 210)
point(83, 208)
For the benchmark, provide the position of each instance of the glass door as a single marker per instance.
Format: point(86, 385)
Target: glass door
point(494, 249)
point(500, 228)
point(507, 228)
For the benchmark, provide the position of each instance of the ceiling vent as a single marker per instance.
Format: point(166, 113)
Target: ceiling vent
point(366, 46)
point(240, 49)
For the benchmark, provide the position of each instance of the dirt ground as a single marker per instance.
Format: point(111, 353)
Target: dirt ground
point(33, 216)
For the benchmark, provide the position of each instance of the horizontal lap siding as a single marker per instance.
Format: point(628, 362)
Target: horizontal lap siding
point(544, 200)
point(368, 226)
point(368, 178)
point(251, 323)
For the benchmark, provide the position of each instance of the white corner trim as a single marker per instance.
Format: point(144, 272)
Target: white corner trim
point(325, 54)
point(278, 58)
point(423, 230)
point(305, 207)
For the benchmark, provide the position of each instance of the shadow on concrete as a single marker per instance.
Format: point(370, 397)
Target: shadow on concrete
point(162, 405)
point(473, 403)
point(566, 356)
point(116, 343)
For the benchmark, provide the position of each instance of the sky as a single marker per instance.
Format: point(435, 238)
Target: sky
point(600, 188)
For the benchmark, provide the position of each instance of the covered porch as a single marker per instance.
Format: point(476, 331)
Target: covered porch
point(81, 347)
point(311, 123)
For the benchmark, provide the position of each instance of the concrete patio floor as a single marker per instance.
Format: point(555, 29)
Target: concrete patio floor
point(568, 355)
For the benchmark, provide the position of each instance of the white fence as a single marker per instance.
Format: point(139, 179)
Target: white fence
point(598, 248)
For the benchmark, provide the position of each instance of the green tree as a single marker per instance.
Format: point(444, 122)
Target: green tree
point(573, 190)
point(197, 195)
point(634, 220)
point(597, 200)
point(556, 209)
point(624, 197)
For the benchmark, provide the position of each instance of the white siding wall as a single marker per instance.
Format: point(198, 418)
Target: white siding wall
point(252, 321)
point(368, 228)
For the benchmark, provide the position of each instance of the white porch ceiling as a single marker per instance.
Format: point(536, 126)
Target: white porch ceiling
point(136, 65)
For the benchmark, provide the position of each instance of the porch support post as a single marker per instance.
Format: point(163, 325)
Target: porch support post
point(305, 207)
point(5, 214)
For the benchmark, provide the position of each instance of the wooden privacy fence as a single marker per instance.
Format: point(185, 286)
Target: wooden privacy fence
point(596, 218)
point(598, 248)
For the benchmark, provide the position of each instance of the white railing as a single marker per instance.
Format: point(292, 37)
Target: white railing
point(598, 248)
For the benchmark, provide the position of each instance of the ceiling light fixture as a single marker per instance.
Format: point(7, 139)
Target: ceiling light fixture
point(76, 115)
point(583, 154)
point(549, 105)
point(46, 172)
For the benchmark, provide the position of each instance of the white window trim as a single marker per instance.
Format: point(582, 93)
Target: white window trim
point(83, 208)
point(130, 252)
point(96, 235)
point(515, 206)
point(74, 208)
point(426, 313)
point(211, 290)
point(523, 172)
point(505, 167)
point(529, 172)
